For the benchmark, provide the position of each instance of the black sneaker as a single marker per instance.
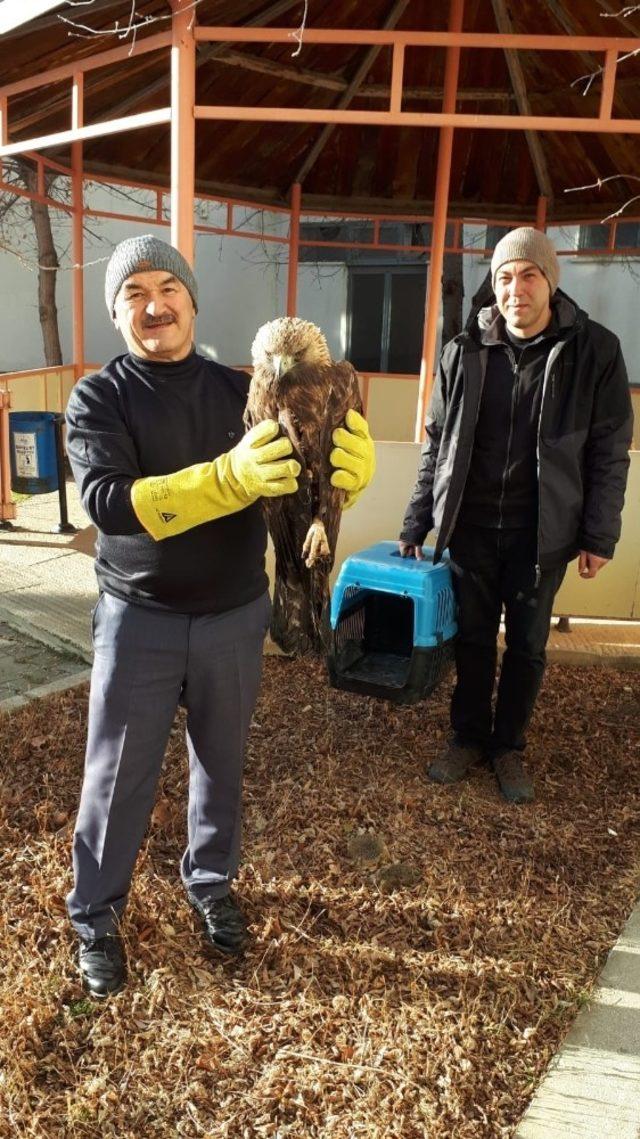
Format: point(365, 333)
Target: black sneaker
point(454, 763)
point(102, 965)
point(225, 926)
point(514, 782)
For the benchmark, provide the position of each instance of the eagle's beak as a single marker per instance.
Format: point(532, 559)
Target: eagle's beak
point(282, 365)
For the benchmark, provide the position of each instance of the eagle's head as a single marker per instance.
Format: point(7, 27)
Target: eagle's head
point(283, 343)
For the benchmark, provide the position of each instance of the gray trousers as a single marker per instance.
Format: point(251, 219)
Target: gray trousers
point(146, 662)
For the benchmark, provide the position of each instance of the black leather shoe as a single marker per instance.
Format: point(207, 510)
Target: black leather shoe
point(225, 926)
point(102, 965)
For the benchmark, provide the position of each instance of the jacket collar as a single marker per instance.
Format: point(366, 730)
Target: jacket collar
point(565, 317)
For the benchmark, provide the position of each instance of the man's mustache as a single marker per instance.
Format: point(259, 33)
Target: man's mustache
point(154, 321)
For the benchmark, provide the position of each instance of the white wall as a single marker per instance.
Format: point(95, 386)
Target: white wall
point(609, 290)
point(243, 283)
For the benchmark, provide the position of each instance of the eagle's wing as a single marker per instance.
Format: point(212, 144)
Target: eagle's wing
point(298, 402)
point(344, 394)
point(261, 400)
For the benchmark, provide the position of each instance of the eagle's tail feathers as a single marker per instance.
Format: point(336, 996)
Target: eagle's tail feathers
point(298, 620)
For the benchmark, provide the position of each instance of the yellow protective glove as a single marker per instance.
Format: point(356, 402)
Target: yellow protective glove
point(354, 457)
point(256, 467)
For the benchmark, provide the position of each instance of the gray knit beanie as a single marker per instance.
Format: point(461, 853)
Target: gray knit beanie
point(527, 244)
point(141, 255)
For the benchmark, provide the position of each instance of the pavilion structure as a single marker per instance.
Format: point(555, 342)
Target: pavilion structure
point(417, 115)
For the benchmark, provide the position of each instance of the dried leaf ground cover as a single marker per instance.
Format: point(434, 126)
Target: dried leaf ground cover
point(419, 951)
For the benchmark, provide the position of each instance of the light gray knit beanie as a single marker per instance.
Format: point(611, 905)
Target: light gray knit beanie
point(142, 255)
point(527, 244)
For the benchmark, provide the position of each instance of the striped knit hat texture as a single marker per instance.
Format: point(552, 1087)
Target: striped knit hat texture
point(141, 255)
point(527, 244)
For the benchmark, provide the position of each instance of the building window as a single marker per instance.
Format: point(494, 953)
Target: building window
point(493, 234)
point(386, 309)
point(593, 237)
point(628, 235)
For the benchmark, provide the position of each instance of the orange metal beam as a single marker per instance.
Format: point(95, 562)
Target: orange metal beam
point(397, 76)
point(294, 249)
point(608, 84)
point(103, 59)
point(98, 130)
point(490, 40)
point(183, 96)
point(77, 191)
point(418, 119)
point(438, 236)
point(541, 213)
point(7, 506)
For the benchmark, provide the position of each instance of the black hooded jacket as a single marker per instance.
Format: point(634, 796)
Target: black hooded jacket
point(584, 433)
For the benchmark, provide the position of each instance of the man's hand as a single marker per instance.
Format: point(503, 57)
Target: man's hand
point(259, 466)
point(408, 550)
point(353, 457)
point(260, 462)
point(589, 564)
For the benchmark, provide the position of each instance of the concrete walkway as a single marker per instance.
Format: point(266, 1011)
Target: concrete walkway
point(592, 1088)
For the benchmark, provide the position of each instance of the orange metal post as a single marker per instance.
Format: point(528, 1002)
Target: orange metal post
point(183, 97)
point(541, 213)
point(438, 237)
point(294, 249)
point(608, 83)
point(7, 506)
point(397, 74)
point(77, 116)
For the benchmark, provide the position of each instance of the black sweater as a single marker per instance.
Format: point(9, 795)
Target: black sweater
point(138, 418)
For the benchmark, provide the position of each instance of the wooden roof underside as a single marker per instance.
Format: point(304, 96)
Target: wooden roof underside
point(392, 169)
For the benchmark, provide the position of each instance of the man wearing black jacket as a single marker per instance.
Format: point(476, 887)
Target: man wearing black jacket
point(157, 445)
point(523, 469)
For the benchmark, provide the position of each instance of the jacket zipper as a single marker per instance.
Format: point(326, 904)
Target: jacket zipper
point(551, 360)
point(515, 368)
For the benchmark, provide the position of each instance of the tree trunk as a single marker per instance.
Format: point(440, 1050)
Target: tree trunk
point(47, 274)
point(452, 296)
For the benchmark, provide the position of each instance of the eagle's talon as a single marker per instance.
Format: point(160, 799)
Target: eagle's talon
point(316, 544)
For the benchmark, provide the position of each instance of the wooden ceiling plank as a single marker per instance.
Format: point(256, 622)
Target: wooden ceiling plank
point(205, 54)
point(593, 64)
point(380, 91)
point(356, 82)
point(503, 21)
point(613, 10)
point(94, 88)
point(568, 25)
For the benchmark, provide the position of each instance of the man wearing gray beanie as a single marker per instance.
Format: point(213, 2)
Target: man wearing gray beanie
point(174, 486)
point(523, 469)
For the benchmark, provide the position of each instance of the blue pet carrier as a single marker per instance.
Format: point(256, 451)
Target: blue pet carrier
point(393, 624)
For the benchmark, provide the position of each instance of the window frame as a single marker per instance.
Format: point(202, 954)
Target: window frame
point(388, 271)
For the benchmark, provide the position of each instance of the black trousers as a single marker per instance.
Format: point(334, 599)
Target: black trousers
point(492, 569)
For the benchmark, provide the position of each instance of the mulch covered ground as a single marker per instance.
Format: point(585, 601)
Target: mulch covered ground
point(419, 952)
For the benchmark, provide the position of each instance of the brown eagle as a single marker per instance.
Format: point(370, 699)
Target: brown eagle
point(296, 382)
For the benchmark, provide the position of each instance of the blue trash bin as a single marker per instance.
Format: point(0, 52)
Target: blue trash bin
point(32, 438)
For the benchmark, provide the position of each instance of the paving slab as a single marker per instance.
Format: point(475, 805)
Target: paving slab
point(592, 1087)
